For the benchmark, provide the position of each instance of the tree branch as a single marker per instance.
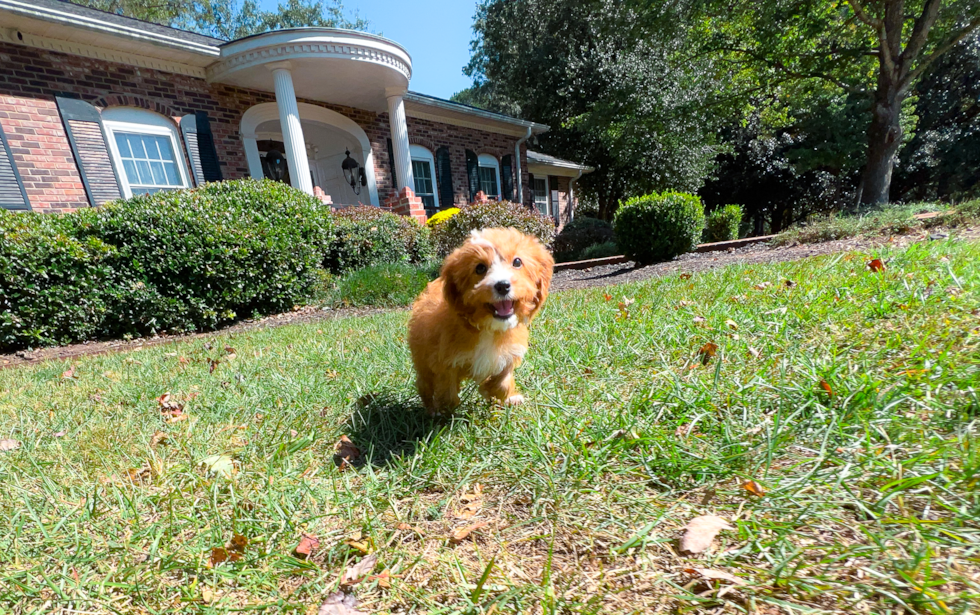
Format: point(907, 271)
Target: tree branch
point(932, 57)
point(920, 34)
point(859, 11)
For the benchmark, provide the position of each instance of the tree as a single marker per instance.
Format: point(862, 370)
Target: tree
point(229, 20)
point(878, 47)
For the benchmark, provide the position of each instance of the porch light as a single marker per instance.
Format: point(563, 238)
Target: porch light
point(351, 176)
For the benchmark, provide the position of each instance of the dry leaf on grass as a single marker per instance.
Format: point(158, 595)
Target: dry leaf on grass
point(471, 503)
point(826, 387)
point(345, 453)
point(606, 296)
point(715, 575)
point(731, 324)
point(707, 351)
point(237, 543)
point(383, 579)
point(699, 319)
point(762, 286)
point(754, 488)
point(875, 265)
point(9, 445)
point(789, 283)
point(685, 276)
point(339, 604)
point(753, 352)
point(462, 533)
point(219, 554)
point(69, 373)
point(139, 475)
point(701, 531)
point(159, 438)
point(356, 572)
point(307, 545)
point(220, 465)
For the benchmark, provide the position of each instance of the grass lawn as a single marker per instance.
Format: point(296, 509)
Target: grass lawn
point(850, 397)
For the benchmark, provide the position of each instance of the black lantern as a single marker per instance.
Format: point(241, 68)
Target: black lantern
point(351, 176)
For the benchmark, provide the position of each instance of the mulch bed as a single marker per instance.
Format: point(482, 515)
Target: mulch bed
point(605, 275)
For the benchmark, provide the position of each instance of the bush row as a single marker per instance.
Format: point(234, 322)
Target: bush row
point(183, 260)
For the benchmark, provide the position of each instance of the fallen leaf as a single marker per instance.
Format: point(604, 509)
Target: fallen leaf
point(707, 351)
point(345, 453)
point(731, 324)
point(684, 430)
point(307, 545)
point(754, 488)
point(461, 534)
point(207, 596)
point(183, 360)
point(159, 438)
point(139, 475)
point(606, 296)
point(876, 265)
point(219, 554)
point(59, 434)
point(221, 465)
point(472, 503)
point(339, 604)
point(701, 531)
point(212, 364)
point(9, 445)
point(685, 303)
point(699, 319)
point(68, 374)
point(237, 543)
point(404, 526)
point(789, 283)
point(715, 575)
point(383, 579)
point(361, 569)
point(762, 286)
point(753, 352)
point(826, 387)
point(685, 276)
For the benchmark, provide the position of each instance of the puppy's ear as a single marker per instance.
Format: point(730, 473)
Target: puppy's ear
point(450, 273)
point(544, 269)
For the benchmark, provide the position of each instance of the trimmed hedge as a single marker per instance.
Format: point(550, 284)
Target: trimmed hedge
point(600, 250)
point(659, 227)
point(723, 223)
point(453, 232)
point(183, 260)
point(579, 234)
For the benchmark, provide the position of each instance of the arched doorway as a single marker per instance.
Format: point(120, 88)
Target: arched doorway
point(327, 135)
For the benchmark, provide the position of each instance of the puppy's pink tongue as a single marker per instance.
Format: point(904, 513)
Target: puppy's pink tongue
point(504, 308)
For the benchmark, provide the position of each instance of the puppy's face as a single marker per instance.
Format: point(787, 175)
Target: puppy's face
point(498, 278)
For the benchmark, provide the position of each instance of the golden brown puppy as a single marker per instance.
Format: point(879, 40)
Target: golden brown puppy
point(471, 322)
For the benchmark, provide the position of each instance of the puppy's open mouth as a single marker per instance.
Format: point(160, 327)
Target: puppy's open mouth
point(502, 309)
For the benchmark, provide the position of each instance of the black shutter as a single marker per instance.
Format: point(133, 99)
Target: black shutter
point(12, 193)
point(444, 169)
point(507, 177)
point(200, 147)
point(83, 123)
point(391, 163)
point(473, 173)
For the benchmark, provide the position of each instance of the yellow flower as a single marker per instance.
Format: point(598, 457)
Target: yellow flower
point(442, 216)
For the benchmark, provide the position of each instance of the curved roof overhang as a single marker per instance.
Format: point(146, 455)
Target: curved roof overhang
point(330, 65)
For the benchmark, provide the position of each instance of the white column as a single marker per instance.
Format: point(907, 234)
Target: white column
point(292, 130)
point(399, 138)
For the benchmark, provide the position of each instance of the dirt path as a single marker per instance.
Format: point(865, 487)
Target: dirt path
point(564, 280)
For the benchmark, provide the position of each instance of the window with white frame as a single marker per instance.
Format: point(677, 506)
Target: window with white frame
point(146, 150)
point(541, 195)
point(489, 176)
point(423, 168)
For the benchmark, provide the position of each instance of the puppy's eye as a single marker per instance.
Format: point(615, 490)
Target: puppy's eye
point(517, 263)
point(481, 269)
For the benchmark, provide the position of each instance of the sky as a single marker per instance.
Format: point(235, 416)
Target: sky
point(436, 34)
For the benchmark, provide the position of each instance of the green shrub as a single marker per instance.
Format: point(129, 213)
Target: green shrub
point(659, 227)
point(578, 235)
point(367, 236)
point(389, 285)
point(723, 223)
point(600, 250)
point(453, 232)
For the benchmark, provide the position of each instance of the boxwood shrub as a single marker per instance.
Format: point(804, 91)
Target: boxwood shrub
point(659, 227)
point(723, 223)
point(367, 236)
point(578, 235)
point(451, 234)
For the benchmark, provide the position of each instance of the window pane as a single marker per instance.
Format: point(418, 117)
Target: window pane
point(422, 171)
point(143, 167)
point(123, 144)
point(166, 153)
point(159, 176)
point(429, 202)
point(130, 167)
point(148, 161)
point(171, 169)
point(488, 181)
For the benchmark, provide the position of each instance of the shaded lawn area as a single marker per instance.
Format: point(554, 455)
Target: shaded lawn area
point(850, 397)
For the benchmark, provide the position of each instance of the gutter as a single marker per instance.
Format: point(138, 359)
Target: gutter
point(517, 157)
point(448, 105)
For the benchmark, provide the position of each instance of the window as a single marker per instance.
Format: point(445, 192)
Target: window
point(423, 168)
point(145, 149)
point(489, 176)
point(541, 195)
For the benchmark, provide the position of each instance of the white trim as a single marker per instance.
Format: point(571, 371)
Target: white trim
point(448, 105)
point(487, 161)
point(141, 121)
point(547, 194)
point(475, 123)
point(422, 154)
point(266, 112)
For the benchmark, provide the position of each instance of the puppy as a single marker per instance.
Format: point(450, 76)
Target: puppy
point(471, 322)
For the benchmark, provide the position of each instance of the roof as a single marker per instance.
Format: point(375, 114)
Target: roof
point(551, 161)
point(448, 105)
point(105, 16)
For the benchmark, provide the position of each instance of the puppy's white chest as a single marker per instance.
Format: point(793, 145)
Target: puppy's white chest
point(489, 358)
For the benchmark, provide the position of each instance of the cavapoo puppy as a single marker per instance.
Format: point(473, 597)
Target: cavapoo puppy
point(471, 322)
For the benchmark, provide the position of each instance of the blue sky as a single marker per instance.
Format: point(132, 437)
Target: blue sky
point(436, 33)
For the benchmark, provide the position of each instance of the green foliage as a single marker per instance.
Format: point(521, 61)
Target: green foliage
point(600, 250)
point(367, 236)
point(579, 234)
point(390, 285)
point(723, 223)
point(659, 227)
point(453, 232)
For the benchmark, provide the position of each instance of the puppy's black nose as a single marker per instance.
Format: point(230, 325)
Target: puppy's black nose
point(502, 287)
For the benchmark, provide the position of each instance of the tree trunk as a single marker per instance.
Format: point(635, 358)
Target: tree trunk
point(884, 139)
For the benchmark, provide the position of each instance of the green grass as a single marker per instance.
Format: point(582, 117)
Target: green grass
point(381, 285)
point(871, 501)
point(891, 220)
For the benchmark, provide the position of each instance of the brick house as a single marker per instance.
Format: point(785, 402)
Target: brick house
point(95, 106)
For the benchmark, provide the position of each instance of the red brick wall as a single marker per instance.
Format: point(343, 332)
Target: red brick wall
point(31, 78)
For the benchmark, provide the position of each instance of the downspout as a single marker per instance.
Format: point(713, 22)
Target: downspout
point(517, 157)
point(571, 196)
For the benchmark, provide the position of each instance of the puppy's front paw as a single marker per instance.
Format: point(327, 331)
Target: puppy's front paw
point(514, 400)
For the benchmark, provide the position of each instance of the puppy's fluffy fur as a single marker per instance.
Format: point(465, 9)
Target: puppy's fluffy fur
point(471, 322)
